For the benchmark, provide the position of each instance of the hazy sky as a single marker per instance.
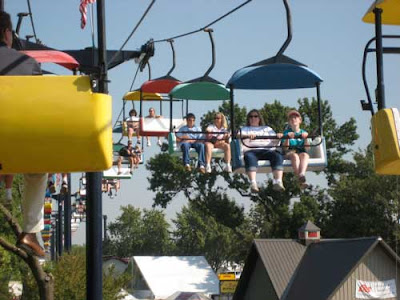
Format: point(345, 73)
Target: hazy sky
point(328, 36)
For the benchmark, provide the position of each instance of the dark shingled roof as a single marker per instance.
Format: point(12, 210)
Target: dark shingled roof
point(325, 265)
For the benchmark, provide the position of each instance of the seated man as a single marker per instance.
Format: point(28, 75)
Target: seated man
point(189, 137)
point(152, 114)
point(126, 152)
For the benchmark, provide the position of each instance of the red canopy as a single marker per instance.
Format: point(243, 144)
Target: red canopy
point(53, 56)
point(162, 85)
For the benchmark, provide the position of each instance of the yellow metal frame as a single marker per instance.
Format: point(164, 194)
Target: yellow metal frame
point(385, 143)
point(53, 124)
point(390, 15)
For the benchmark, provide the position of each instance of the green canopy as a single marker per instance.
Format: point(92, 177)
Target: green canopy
point(202, 90)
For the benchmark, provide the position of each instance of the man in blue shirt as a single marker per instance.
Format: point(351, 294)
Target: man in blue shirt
point(190, 136)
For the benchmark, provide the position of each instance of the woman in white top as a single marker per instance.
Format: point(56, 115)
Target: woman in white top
point(132, 123)
point(264, 149)
point(218, 137)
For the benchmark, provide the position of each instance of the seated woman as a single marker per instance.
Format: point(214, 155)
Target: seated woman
point(294, 147)
point(133, 125)
point(128, 153)
point(263, 149)
point(218, 138)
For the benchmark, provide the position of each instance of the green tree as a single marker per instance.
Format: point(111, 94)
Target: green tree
point(135, 234)
point(197, 233)
point(364, 203)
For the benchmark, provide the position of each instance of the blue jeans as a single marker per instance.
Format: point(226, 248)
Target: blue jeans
point(199, 147)
point(251, 158)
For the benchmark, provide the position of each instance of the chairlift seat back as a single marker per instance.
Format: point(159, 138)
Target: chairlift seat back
point(53, 124)
point(174, 149)
point(159, 126)
point(317, 161)
point(386, 141)
point(112, 173)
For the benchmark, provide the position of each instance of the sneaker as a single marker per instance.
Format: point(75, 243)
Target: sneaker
point(228, 169)
point(208, 168)
point(188, 168)
point(159, 143)
point(148, 143)
point(278, 186)
point(138, 142)
point(64, 188)
point(8, 196)
point(302, 182)
point(202, 170)
point(254, 188)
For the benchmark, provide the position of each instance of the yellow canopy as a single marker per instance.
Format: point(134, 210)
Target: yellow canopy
point(135, 96)
point(390, 14)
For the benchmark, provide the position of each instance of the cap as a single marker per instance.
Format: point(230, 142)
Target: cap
point(293, 112)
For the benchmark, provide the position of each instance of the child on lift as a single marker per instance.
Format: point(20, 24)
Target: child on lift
point(295, 146)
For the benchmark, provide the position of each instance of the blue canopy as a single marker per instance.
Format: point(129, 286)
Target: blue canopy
point(274, 73)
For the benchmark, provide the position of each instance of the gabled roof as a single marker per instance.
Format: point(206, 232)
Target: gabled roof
point(166, 275)
point(325, 265)
point(314, 272)
point(280, 258)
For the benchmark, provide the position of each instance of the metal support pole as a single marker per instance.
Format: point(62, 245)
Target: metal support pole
point(1, 5)
point(105, 227)
point(320, 131)
point(59, 227)
point(94, 249)
point(67, 216)
point(380, 88)
point(52, 244)
point(232, 111)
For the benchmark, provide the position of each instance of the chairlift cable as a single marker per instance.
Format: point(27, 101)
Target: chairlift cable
point(133, 31)
point(134, 78)
point(204, 27)
point(31, 17)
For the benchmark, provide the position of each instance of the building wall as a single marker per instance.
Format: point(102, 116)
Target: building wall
point(377, 266)
point(260, 286)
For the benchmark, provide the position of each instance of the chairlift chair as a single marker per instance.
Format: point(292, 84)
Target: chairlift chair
point(204, 88)
point(277, 73)
point(43, 114)
point(385, 124)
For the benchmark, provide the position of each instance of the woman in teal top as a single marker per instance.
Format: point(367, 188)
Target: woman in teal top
point(295, 146)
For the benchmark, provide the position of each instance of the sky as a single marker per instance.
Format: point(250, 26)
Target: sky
point(328, 36)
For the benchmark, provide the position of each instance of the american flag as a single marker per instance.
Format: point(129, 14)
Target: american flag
point(83, 10)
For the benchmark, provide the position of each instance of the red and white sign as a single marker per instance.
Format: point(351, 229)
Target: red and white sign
point(376, 289)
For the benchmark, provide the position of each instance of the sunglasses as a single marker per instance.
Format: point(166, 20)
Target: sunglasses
point(217, 118)
point(253, 116)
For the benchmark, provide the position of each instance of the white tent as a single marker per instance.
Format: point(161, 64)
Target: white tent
point(166, 275)
point(188, 296)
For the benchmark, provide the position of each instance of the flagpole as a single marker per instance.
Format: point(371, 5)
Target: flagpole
point(94, 248)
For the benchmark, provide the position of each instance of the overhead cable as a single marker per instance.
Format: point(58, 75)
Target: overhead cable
point(204, 27)
point(133, 31)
